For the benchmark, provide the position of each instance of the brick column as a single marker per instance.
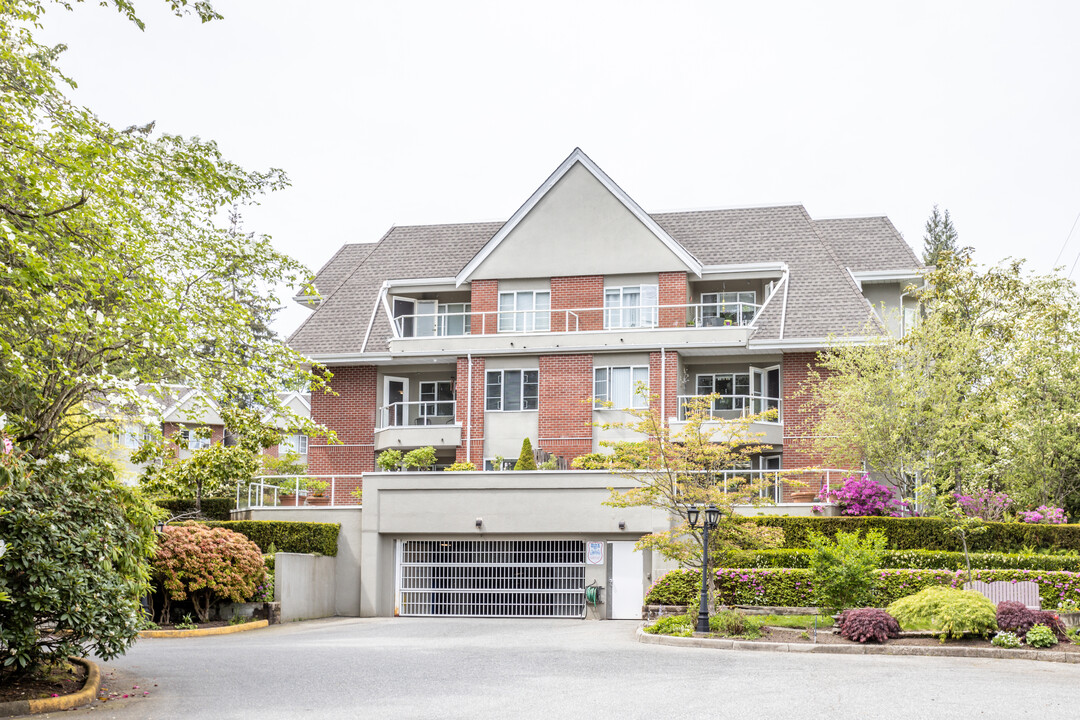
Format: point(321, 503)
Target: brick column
point(351, 414)
point(484, 297)
point(463, 413)
point(664, 382)
point(575, 293)
point(672, 290)
point(565, 411)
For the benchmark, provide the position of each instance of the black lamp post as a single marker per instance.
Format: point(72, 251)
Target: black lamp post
point(712, 517)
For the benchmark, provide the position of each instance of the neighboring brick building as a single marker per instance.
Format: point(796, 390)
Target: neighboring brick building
point(471, 337)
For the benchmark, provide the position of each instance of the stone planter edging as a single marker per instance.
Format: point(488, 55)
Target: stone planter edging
point(867, 649)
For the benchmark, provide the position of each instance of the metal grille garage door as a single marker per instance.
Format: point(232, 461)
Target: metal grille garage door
point(492, 578)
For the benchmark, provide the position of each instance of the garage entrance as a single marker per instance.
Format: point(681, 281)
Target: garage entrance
point(491, 578)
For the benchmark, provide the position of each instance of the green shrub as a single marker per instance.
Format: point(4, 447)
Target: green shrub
point(677, 587)
point(843, 571)
point(461, 467)
point(953, 612)
point(212, 508)
point(929, 533)
point(286, 536)
point(389, 460)
point(1005, 639)
point(420, 458)
point(730, 623)
point(1040, 636)
point(526, 461)
point(77, 562)
point(206, 564)
point(915, 559)
point(677, 625)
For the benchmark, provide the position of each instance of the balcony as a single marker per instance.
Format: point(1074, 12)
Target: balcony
point(768, 427)
point(544, 328)
point(417, 424)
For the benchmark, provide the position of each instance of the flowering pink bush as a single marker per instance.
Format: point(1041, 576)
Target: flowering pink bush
point(985, 504)
point(863, 496)
point(207, 564)
point(1046, 514)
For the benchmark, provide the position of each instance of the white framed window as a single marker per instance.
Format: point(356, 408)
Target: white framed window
point(430, 318)
point(512, 390)
point(507, 464)
point(193, 441)
point(437, 400)
point(294, 443)
point(728, 308)
point(132, 437)
point(630, 306)
point(618, 385)
point(733, 388)
point(525, 311)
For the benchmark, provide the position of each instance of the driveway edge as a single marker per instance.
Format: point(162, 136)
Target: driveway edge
point(65, 702)
point(224, 630)
point(899, 650)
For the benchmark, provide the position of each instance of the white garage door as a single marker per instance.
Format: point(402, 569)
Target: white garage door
point(491, 578)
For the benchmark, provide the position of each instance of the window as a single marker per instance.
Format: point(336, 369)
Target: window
point(130, 436)
point(294, 443)
point(630, 307)
point(507, 464)
point(618, 385)
point(734, 389)
point(430, 318)
point(193, 441)
point(513, 390)
point(436, 400)
point(525, 311)
point(728, 308)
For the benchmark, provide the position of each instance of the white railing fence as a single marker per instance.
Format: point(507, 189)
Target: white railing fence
point(295, 491)
point(729, 407)
point(417, 413)
point(771, 482)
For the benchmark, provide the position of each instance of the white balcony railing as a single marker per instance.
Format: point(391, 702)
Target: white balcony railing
point(730, 407)
point(771, 483)
point(417, 414)
point(643, 317)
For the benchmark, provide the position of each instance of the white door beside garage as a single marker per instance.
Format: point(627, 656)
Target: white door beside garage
point(627, 592)
point(491, 578)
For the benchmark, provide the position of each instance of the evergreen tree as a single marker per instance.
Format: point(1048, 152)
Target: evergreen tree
point(526, 461)
point(941, 237)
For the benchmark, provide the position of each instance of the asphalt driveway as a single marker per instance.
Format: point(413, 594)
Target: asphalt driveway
point(461, 668)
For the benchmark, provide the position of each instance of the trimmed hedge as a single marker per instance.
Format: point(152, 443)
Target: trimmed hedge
point(212, 508)
point(287, 536)
point(793, 586)
point(909, 559)
point(677, 587)
point(928, 533)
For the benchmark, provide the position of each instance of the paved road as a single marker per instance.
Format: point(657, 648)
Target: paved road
point(458, 668)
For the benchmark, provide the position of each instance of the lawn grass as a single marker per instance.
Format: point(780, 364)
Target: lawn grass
point(803, 622)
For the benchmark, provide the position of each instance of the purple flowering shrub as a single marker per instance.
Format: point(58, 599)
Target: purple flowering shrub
point(862, 624)
point(862, 496)
point(1046, 514)
point(1018, 618)
point(985, 504)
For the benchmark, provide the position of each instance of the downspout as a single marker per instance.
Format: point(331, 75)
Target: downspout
point(468, 416)
point(663, 386)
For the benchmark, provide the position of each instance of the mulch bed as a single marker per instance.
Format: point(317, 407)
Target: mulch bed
point(60, 680)
point(793, 635)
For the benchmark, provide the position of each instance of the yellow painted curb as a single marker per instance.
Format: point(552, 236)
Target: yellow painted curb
point(223, 630)
point(65, 702)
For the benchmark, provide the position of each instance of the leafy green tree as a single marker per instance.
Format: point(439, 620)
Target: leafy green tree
point(941, 238)
point(843, 569)
point(525, 460)
point(116, 267)
point(77, 562)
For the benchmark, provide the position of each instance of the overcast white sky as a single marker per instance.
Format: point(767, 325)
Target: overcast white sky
point(405, 113)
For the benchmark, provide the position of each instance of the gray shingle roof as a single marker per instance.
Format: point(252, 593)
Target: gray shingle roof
point(822, 298)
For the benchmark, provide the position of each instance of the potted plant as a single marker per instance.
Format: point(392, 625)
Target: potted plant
point(1069, 612)
point(317, 492)
point(288, 496)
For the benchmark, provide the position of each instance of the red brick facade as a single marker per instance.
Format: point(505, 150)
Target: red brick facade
point(672, 290)
point(484, 299)
point(351, 414)
point(576, 293)
point(800, 421)
point(461, 396)
point(566, 385)
point(664, 383)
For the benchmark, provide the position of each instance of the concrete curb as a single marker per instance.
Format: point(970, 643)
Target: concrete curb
point(64, 702)
point(224, 630)
point(867, 649)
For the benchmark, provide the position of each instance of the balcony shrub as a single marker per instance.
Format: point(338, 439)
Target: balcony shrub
point(206, 565)
point(954, 612)
point(461, 467)
point(389, 460)
point(286, 536)
point(525, 461)
point(420, 458)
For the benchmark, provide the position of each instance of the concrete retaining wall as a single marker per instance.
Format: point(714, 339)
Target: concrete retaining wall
point(305, 585)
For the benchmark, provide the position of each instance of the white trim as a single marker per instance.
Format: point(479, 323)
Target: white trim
point(783, 310)
point(883, 276)
point(811, 343)
point(381, 299)
point(781, 281)
point(577, 156)
point(744, 267)
point(410, 282)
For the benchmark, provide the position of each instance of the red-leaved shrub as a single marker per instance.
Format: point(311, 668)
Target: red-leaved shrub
point(207, 564)
point(862, 624)
point(1016, 617)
